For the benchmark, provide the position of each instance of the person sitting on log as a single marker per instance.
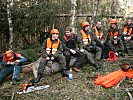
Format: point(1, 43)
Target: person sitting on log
point(52, 50)
point(87, 37)
point(70, 46)
point(127, 32)
point(114, 38)
point(97, 30)
point(12, 62)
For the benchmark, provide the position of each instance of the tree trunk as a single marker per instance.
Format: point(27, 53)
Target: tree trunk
point(95, 10)
point(114, 8)
point(73, 12)
point(10, 23)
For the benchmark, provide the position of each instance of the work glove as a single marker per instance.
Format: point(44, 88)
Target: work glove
point(72, 51)
point(115, 37)
point(81, 50)
point(17, 62)
point(11, 63)
point(52, 58)
point(124, 33)
point(115, 41)
point(47, 58)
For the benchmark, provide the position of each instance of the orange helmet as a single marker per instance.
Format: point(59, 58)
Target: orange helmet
point(54, 31)
point(85, 24)
point(9, 55)
point(113, 21)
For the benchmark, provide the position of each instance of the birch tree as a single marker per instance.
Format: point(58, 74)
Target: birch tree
point(95, 10)
point(73, 12)
point(9, 5)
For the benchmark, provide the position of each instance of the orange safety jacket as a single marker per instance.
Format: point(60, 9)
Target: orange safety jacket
point(12, 60)
point(85, 37)
point(127, 31)
point(97, 33)
point(52, 47)
point(115, 34)
point(112, 78)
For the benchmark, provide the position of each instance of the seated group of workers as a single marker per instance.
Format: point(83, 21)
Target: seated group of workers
point(90, 40)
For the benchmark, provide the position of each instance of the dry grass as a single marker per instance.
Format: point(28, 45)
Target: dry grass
point(80, 88)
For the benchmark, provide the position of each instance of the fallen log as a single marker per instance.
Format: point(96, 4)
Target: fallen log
point(49, 69)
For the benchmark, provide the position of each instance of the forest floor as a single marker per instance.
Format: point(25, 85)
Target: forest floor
point(80, 88)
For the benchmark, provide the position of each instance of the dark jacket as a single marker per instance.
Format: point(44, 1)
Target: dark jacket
point(71, 42)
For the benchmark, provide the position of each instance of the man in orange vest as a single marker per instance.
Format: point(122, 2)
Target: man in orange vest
point(51, 50)
point(127, 30)
point(114, 38)
point(88, 40)
point(12, 62)
point(70, 45)
point(99, 37)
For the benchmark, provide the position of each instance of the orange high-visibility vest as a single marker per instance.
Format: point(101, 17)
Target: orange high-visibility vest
point(125, 30)
point(115, 34)
point(52, 46)
point(85, 37)
point(97, 33)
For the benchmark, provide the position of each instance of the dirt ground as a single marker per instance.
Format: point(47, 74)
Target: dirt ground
point(80, 88)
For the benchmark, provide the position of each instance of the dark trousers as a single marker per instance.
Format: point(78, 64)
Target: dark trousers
point(60, 58)
point(80, 58)
point(99, 44)
point(96, 50)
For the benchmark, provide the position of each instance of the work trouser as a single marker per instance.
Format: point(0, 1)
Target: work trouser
point(79, 60)
point(126, 46)
point(117, 47)
point(59, 58)
point(96, 50)
point(16, 69)
point(99, 44)
point(89, 57)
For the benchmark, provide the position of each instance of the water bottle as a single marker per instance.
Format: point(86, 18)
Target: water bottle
point(70, 76)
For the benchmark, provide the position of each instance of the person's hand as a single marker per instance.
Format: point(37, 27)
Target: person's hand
point(115, 41)
point(17, 62)
point(115, 37)
point(8, 62)
point(72, 51)
point(81, 50)
point(52, 58)
point(47, 58)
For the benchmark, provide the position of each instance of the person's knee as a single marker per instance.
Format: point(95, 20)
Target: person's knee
point(98, 49)
point(67, 53)
point(61, 57)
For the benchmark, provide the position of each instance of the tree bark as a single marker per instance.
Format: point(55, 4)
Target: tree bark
point(95, 10)
point(73, 12)
point(10, 23)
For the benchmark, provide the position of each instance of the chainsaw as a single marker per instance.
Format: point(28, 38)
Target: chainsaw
point(30, 87)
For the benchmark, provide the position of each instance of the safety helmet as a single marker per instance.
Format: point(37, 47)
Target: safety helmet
point(54, 31)
point(9, 55)
point(113, 21)
point(85, 24)
point(124, 67)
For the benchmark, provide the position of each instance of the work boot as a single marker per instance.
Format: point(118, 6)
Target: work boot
point(96, 66)
point(64, 73)
point(122, 53)
point(36, 80)
point(75, 69)
point(14, 81)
